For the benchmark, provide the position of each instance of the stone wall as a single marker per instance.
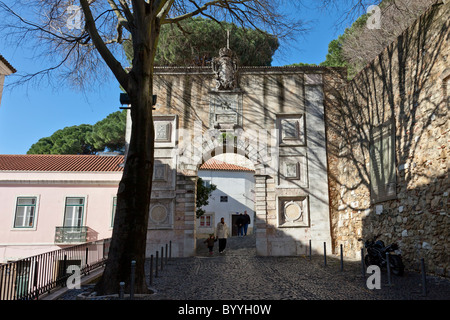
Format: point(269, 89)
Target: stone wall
point(276, 115)
point(408, 85)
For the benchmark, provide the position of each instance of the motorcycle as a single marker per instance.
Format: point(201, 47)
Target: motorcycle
point(376, 255)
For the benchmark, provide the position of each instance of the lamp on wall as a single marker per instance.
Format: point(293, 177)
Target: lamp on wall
point(125, 99)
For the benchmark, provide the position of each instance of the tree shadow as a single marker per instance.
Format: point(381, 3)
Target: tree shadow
point(403, 85)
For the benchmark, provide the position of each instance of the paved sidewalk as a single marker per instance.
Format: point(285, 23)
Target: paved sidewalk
point(238, 274)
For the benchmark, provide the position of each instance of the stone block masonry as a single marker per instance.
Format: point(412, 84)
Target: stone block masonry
point(406, 86)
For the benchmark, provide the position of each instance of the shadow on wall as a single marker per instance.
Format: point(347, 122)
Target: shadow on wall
point(388, 132)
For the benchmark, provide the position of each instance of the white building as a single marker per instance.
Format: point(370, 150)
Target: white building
point(234, 195)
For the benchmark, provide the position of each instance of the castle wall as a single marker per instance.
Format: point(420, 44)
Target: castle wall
point(399, 102)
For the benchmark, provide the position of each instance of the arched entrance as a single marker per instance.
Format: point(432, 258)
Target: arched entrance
point(232, 176)
point(274, 116)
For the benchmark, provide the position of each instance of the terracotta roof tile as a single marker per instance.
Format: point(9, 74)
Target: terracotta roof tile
point(63, 163)
point(213, 164)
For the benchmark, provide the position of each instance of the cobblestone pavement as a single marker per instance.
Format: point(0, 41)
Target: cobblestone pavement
point(239, 274)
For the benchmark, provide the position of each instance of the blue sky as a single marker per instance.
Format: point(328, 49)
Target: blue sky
point(28, 113)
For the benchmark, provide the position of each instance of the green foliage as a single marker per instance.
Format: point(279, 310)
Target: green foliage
point(70, 140)
point(334, 56)
point(303, 64)
point(107, 134)
point(203, 193)
point(196, 41)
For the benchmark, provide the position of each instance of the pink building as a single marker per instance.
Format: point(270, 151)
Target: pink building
point(51, 201)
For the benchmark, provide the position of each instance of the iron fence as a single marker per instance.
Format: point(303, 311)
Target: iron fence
point(29, 278)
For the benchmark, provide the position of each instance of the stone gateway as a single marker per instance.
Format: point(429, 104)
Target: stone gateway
point(335, 160)
point(274, 116)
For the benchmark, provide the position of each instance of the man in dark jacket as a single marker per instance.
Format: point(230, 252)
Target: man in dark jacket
point(240, 225)
point(246, 222)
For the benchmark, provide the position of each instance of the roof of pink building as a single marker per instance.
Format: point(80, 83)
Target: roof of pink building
point(213, 164)
point(87, 163)
point(64, 163)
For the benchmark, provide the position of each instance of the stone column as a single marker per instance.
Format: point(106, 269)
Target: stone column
point(261, 215)
point(185, 217)
point(317, 162)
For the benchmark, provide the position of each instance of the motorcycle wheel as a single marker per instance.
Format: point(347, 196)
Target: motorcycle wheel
point(369, 261)
point(396, 265)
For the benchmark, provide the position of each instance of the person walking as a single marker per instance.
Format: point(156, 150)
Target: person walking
point(222, 234)
point(210, 243)
point(240, 224)
point(246, 222)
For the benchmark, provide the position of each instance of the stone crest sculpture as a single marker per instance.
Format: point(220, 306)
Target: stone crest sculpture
point(225, 68)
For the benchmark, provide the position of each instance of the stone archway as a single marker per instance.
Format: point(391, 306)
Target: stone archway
point(272, 115)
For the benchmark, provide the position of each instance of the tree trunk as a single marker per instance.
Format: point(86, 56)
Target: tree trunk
point(133, 198)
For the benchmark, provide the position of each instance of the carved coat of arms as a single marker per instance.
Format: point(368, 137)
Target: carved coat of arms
point(225, 68)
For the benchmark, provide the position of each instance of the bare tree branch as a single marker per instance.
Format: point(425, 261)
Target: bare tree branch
point(115, 66)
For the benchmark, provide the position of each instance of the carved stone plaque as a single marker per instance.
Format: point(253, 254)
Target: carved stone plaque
point(225, 110)
point(292, 129)
point(163, 131)
point(158, 214)
point(291, 170)
point(161, 213)
point(293, 212)
point(160, 172)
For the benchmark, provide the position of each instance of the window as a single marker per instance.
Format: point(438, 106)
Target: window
point(73, 213)
point(25, 212)
point(113, 215)
point(223, 198)
point(382, 163)
point(205, 221)
point(207, 183)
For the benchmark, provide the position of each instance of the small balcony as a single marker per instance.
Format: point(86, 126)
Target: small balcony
point(70, 235)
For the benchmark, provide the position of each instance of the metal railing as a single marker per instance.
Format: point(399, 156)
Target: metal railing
point(29, 278)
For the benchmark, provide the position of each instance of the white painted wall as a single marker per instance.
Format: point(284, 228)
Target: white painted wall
point(239, 187)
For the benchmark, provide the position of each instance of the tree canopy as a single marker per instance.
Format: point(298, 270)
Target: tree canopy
point(359, 45)
point(105, 135)
point(195, 41)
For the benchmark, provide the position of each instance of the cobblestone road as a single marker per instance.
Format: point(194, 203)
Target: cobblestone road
point(238, 274)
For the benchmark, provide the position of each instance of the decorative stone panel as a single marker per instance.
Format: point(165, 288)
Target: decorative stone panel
point(293, 212)
point(291, 129)
point(225, 110)
point(165, 131)
point(161, 214)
